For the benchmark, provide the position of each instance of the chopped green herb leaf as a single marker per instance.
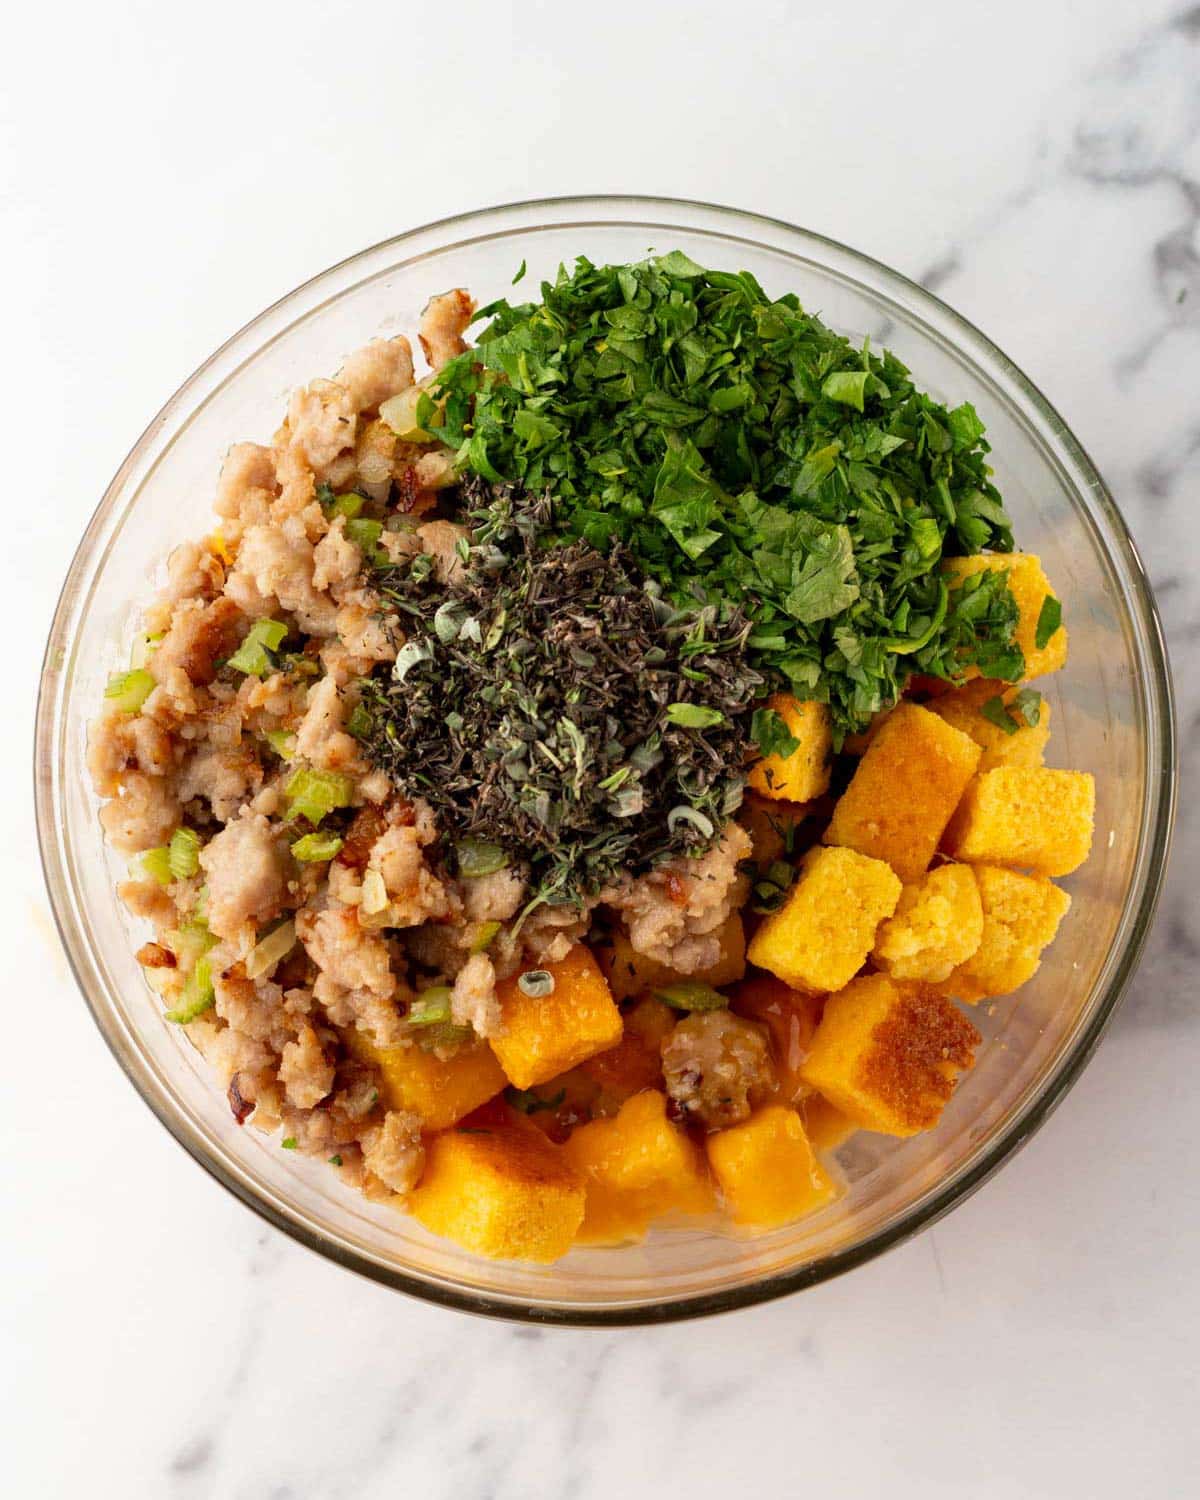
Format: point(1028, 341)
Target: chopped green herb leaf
point(1049, 620)
point(289, 1143)
point(769, 731)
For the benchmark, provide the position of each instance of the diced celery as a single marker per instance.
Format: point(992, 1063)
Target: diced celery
point(252, 656)
point(129, 690)
point(315, 847)
point(190, 940)
point(144, 647)
point(360, 723)
point(347, 505)
point(691, 995)
point(400, 413)
point(311, 794)
point(197, 995)
point(270, 950)
point(431, 1007)
point(157, 864)
point(283, 742)
point(484, 937)
point(365, 534)
point(183, 853)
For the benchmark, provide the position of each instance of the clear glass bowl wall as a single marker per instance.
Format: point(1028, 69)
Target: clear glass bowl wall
point(1111, 711)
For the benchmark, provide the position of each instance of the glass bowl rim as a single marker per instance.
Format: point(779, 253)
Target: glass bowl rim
point(1152, 856)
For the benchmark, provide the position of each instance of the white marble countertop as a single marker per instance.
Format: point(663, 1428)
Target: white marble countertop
point(166, 173)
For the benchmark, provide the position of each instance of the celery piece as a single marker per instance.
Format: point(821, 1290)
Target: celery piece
point(183, 853)
point(365, 534)
point(157, 864)
point(190, 940)
point(347, 505)
point(400, 414)
point(197, 995)
point(431, 1007)
point(315, 847)
point(252, 656)
point(311, 794)
point(360, 723)
point(443, 1034)
point(129, 690)
point(268, 951)
point(283, 742)
point(483, 938)
point(144, 647)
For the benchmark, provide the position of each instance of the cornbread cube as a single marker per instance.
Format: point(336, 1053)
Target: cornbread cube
point(635, 1063)
point(938, 924)
point(547, 1035)
point(962, 707)
point(888, 1054)
point(820, 937)
point(774, 827)
point(826, 1127)
point(804, 773)
point(1026, 816)
point(1021, 914)
point(440, 1092)
point(502, 1190)
point(1030, 588)
point(790, 1017)
point(767, 1170)
point(907, 785)
point(636, 1166)
point(631, 973)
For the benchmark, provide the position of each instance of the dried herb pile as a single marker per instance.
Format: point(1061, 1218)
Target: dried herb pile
point(553, 703)
point(735, 443)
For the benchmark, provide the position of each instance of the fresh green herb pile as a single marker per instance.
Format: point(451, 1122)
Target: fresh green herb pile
point(735, 444)
point(553, 704)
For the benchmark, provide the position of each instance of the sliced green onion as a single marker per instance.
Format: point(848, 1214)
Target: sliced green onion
point(692, 995)
point(484, 935)
point(157, 864)
point(129, 690)
point(283, 742)
point(183, 853)
point(536, 983)
point(431, 1007)
point(476, 858)
point(196, 997)
point(315, 847)
point(252, 656)
point(312, 794)
point(703, 824)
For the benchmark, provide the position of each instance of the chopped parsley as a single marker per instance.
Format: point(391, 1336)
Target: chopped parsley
point(738, 448)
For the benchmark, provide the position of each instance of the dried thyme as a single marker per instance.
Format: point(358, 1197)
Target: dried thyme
point(550, 702)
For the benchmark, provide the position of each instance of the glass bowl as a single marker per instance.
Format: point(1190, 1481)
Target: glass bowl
point(1112, 716)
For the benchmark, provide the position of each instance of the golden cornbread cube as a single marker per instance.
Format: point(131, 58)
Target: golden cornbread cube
point(963, 707)
point(631, 973)
point(804, 773)
point(766, 1169)
point(502, 1190)
point(635, 1063)
point(1030, 589)
point(938, 924)
point(547, 1034)
point(826, 1127)
point(774, 827)
point(907, 785)
point(821, 935)
point(1030, 817)
point(888, 1054)
point(1021, 914)
point(440, 1092)
point(637, 1165)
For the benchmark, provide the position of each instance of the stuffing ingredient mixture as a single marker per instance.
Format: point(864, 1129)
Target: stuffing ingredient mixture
point(575, 786)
